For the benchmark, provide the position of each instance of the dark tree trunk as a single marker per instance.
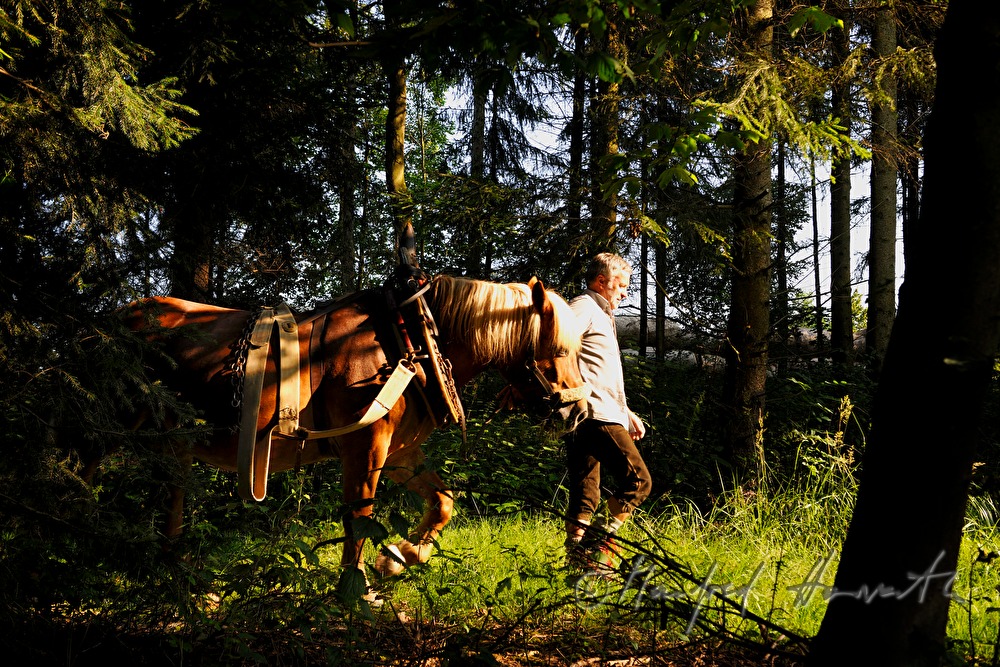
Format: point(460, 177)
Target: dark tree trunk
point(841, 321)
point(907, 526)
point(577, 148)
point(782, 330)
point(477, 131)
point(348, 183)
point(191, 261)
point(882, 245)
point(474, 233)
point(817, 279)
point(394, 65)
point(748, 328)
point(603, 145)
point(911, 112)
point(643, 296)
point(661, 301)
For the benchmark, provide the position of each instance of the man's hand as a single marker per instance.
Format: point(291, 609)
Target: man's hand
point(636, 428)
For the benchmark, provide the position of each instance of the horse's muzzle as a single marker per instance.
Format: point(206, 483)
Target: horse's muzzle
point(572, 412)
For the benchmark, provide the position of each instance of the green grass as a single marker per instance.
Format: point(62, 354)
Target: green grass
point(974, 620)
point(496, 586)
point(262, 582)
point(770, 555)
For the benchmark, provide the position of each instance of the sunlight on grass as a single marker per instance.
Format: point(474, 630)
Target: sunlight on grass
point(772, 558)
point(974, 615)
point(758, 565)
point(501, 568)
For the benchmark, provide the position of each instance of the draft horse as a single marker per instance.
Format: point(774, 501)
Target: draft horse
point(524, 331)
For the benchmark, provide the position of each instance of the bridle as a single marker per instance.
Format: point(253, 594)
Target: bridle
point(550, 399)
point(554, 399)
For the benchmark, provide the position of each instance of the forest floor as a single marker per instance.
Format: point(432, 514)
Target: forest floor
point(46, 641)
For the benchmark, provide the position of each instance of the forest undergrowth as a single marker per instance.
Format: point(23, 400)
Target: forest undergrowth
point(710, 574)
point(741, 584)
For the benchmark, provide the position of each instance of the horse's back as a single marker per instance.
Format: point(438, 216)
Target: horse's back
point(191, 346)
point(169, 312)
point(200, 342)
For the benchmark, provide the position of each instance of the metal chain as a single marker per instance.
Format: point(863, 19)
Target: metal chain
point(237, 369)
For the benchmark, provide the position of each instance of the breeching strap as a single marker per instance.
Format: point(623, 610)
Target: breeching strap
point(253, 457)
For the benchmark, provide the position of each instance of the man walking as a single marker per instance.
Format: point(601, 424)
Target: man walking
point(605, 441)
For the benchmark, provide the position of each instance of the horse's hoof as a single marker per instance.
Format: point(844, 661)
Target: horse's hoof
point(373, 599)
point(390, 562)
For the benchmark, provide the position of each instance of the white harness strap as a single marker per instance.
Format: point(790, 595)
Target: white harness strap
point(288, 388)
point(254, 456)
point(387, 397)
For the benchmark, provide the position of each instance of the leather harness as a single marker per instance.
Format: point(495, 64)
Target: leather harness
point(411, 327)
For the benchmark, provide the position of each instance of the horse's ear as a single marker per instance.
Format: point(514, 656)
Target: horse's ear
point(538, 297)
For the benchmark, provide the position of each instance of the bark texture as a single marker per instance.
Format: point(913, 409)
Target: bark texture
point(748, 327)
point(882, 243)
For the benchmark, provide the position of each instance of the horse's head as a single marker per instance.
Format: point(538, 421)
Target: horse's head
point(546, 380)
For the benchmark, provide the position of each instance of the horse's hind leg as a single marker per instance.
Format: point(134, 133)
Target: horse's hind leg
point(407, 467)
point(174, 510)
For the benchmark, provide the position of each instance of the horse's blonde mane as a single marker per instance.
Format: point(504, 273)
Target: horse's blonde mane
point(495, 320)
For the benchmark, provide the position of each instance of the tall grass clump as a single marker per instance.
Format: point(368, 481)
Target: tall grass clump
point(974, 616)
point(769, 552)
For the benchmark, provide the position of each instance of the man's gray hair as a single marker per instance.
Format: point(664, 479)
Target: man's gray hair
point(605, 264)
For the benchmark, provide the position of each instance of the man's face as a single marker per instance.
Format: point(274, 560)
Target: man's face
point(613, 288)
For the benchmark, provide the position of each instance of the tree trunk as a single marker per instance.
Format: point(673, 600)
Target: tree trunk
point(817, 279)
point(191, 262)
point(604, 144)
point(477, 132)
point(782, 330)
point(841, 304)
point(661, 302)
point(648, 204)
point(841, 320)
point(348, 183)
point(643, 295)
point(907, 526)
point(348, 216)
point(577, 147)
point(909, 174)
point(882, 245)
point(748, 328)
point(395, 136)
point(477, 145)
point(394, 65)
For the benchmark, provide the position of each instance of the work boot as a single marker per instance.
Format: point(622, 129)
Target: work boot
point(595, 553)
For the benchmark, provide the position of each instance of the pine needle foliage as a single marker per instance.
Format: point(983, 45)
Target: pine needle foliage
point(76, 61)
point(74, 121)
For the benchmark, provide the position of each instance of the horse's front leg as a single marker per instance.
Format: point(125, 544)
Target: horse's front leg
point(362, 460)
point(407, 467)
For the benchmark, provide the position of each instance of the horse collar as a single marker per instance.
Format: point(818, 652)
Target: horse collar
point(416, 335)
